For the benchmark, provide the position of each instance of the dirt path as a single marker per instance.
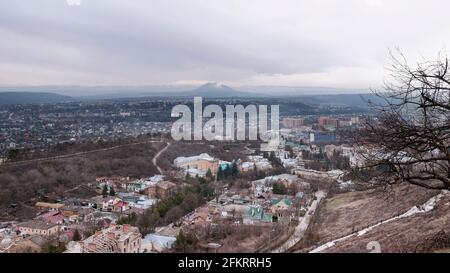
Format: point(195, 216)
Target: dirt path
point(157, 155)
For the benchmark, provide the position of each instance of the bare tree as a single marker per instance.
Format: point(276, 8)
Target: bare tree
point(409, 140)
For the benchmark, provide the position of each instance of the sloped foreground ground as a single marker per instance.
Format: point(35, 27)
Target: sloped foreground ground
point(422, 232)
point(348, 213)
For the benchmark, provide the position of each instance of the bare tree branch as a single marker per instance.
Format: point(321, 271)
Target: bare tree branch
point(409, 140)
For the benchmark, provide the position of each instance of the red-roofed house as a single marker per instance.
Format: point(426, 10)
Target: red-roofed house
point(120, 206)
point(54, 217)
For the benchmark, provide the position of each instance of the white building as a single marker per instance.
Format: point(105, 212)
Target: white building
point(191, 161)
point(202, 163)
point(157, 243)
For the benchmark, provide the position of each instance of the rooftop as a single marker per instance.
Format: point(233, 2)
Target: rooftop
point(203, 156)
point(159, 240)
point(257, 213)
point(36, 224)
point(105, 241)
point(165, 185)
point(283, 201)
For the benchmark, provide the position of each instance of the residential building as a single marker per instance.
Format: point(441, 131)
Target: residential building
point(161, 190)
point(120, 206)
point(78, 214)
point(115, 239)
point(247, 166)
point(19, 244)
point(38, 227)
point(53, 216)
point(48, 206)
point(309, 174)
point(322, 137)
point(255, 214)
point(328, 122)
point(259, 161)
point(202, 162)
point(111, 204)
point(280, 204)
point(290, 122)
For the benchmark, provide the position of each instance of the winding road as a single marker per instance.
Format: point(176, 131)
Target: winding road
point(302, 226)
point(157, 155)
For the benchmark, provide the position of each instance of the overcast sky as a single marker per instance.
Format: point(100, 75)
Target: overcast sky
point(323, 43)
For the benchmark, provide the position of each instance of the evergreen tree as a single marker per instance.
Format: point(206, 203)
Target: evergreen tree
point(181, 242)
point(105, 191)
point(234, 169)
point(112, 192)
point(271, 156)
point(228, 171)
point(184, 242)
point(209, 173)
point(220, 174)
point(76, 236)
point(279, 188)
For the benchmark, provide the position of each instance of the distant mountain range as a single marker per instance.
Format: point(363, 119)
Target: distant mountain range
point(208, 90)
point(8, 98)
point(211, 90)
point(358, 100)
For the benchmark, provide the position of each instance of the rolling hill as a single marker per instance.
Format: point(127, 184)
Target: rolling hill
point(11, 98)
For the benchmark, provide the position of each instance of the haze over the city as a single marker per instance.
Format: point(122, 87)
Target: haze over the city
point(327, 43)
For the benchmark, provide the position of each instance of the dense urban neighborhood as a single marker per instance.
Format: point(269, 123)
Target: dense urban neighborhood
point(193, 197)
point(249, 200)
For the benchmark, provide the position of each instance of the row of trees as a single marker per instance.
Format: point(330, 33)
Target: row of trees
point(322, 162)
point(229, 172)
point(273, 159)
point(108, 190)
point(280, 188)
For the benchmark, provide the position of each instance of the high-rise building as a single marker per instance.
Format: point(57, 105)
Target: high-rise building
point(328, 122)
point(322, 137)
point(293, 122)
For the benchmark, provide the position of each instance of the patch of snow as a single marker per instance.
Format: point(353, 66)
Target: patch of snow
point(345, 184)
point(323, 247)
point(426, 207)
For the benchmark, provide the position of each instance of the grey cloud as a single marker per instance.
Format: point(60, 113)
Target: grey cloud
point(161, 41)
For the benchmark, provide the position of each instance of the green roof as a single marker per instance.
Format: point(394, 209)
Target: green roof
point(257, 213)
point(285, 201)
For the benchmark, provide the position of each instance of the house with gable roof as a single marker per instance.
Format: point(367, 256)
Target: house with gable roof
point(256, 214)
